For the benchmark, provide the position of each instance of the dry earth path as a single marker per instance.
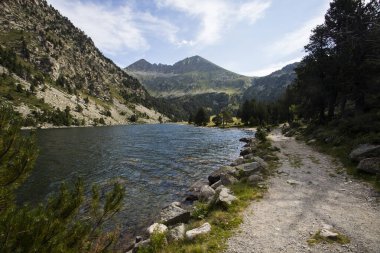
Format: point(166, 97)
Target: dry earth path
point(309, 190)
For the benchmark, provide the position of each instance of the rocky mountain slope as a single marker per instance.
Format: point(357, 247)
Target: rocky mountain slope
point(48, 66)
point(195, 82)
point(193, 75)
point(272, 86)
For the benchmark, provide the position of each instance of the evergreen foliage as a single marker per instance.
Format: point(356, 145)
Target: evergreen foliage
point(201, 118)
point(67, 222)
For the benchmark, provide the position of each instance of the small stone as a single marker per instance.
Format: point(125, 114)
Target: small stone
point(328, 234)
point(157, 228)
point(293, 182)
point(204, 229)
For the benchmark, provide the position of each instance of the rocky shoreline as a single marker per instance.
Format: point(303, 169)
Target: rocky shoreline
point(173, 219)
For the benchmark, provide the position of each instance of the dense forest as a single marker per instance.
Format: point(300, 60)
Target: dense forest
point(338, 80)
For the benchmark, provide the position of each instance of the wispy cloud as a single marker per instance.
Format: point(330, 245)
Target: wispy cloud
point(271, 68)
point(216, 16)
point(294, 42)
point(115, 30)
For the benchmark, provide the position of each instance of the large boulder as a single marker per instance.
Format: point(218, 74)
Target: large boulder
point(246, 151)
point(261, 161)
point(177, 233)
point(227, 179)
point(173, 214)
point(370, 165)
point(246, 139)
point(254, 180)
point(206, 193)
point(225, 196)
point(365, 151)
point(204, 229)
point(248, 169)
point(157, 228)
point(238, 161)
point(216, 185)
point(195, 189)
point(215, 176)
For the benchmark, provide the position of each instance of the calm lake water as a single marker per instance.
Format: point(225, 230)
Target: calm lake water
point(157, 163)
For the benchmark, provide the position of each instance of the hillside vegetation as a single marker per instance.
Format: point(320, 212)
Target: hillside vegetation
point(47, 64)
point(196, 82)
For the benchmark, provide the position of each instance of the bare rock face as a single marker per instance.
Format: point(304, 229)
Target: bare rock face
point(173, 214)
point(370, 165)
point(204, 229)
point(365, 151)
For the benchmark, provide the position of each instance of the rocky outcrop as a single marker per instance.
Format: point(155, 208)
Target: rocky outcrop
point(204, 229)
point(365, 151)
point(173, 214)
point(370, 165)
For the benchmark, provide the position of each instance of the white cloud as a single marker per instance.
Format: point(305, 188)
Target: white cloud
point(114, 30)
point(294, 42)
point(216, 15)
point(111, 30)
point(270, 68)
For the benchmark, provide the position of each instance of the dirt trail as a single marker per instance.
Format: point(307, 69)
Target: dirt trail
point(306, 193)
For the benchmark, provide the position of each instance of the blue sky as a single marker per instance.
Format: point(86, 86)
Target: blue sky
point(251, 37)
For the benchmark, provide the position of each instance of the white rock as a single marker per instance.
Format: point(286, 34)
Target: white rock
point(177, 232)
point(225, 196)
point(157, 227)
point(204, 229)
point(328, 234)
point(293, 182)
point(206, 193)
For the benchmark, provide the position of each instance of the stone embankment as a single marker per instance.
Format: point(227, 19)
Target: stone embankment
point(214, 190)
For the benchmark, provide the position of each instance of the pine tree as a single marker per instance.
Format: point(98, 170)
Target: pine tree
point(65, 223)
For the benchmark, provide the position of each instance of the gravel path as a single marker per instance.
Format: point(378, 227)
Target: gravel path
point(306, 193)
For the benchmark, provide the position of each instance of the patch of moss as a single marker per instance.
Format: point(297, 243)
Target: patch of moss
point(317, 238)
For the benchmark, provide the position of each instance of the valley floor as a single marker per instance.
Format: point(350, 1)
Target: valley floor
point(309, 190)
